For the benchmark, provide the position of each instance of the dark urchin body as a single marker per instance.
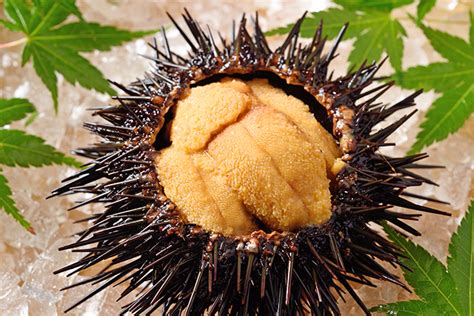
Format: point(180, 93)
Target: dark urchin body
point(181, 267)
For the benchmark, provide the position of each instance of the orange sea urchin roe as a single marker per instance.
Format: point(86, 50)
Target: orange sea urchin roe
point(246, 150)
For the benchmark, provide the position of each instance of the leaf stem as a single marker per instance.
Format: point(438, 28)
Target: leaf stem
point(13, 43)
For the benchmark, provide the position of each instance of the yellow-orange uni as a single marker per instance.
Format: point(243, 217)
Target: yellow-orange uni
point(245, 150)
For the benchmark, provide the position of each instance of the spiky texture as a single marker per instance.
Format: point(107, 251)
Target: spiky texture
point(182, 268)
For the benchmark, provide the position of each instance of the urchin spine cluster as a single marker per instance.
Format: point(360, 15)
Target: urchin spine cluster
point(142, 241)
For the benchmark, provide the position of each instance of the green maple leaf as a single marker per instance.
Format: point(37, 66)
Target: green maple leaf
point(442, 290)
point(18, 149)
point(8, 204)
point(14, 110)
point(461, 261)
point(370, 23)
point(424, 6)
point(54, 46)
point(453, 78)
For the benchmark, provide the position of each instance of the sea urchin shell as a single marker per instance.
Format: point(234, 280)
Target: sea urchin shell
point(180, 267)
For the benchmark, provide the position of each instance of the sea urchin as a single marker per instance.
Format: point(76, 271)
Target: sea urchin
point(243, 180)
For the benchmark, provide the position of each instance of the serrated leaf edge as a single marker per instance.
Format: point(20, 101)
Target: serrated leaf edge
point(394, 236)
point(425, 141)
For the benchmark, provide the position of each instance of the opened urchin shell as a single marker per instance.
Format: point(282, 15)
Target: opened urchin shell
point(179, 267)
